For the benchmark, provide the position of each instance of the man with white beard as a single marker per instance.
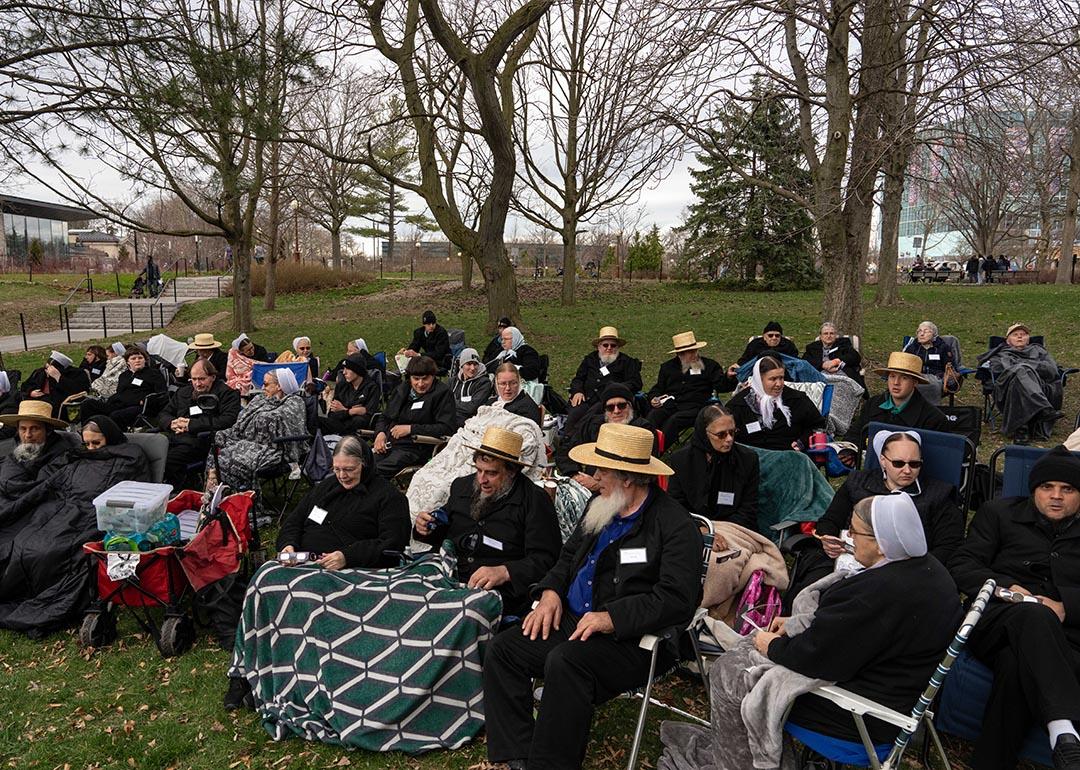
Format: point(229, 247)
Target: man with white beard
point(502, 525)
point(632, 567)
point(39, 450)
point(604, 366)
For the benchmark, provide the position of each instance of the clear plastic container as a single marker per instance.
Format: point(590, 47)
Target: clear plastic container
point(131, 506)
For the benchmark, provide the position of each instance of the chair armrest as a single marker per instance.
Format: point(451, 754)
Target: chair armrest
point(649, 642)
point(431, 440)
point(857, 704)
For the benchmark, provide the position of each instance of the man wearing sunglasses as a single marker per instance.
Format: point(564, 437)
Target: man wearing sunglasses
point(1030, 546)
point(772, 340)
point(605, 365)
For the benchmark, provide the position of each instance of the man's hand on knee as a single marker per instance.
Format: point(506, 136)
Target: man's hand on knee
point(488, 578)
point(544, 617)
point(593, 623)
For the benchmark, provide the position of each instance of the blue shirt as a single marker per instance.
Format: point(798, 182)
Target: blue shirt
point(580, 596)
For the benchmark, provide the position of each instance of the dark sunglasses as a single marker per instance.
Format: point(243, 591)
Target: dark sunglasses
point(721, 434)
point(898, 464)
point(616, 406)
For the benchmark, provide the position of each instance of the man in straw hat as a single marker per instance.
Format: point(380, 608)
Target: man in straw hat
point(502, 525)
point(632, 567)
point(209, 349)
point(605, 365)
point(901, 404)
point(39, 450)
point(58, 379)
point(684, 385)
point(1031, 547)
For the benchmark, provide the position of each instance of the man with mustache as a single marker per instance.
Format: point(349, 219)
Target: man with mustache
point(39, 450)
point(604, 366)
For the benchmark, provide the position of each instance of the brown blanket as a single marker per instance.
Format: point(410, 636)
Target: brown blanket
point(725, 582)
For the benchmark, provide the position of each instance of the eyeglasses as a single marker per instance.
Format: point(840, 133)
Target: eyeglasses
point(303, 349)
point(898, 464)
point(771, 335)
point(617, 406)
point(346, 471)
point(855, 533)
point(721, 434)
point(609, 345)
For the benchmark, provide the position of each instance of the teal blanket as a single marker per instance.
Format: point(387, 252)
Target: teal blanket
point(791, 489)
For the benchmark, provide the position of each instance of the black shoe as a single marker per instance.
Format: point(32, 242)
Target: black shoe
point(519, 764)
point(1021, 437)
point(239, 694)
point(1067, 752)
point(1052, 415)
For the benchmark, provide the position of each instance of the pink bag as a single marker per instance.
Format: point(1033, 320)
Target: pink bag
point(757, 606)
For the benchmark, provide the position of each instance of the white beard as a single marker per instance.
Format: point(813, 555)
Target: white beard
point(624, 419)
point(603, 509)
point(608, 359)
point(695, 366)
point(27, 453)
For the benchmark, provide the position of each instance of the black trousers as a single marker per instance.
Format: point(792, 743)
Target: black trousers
point(672, 420)
point(1036, 678)
point(812, 564)
point(574, 414)
point(578, 676)
point(184, 450)
point(342, 423)
point(401, 456)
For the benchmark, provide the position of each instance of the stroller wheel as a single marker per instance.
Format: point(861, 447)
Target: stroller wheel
point(98, 629)
point(177, 635)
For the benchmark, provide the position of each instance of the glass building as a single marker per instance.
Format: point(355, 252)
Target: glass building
point(37, 230)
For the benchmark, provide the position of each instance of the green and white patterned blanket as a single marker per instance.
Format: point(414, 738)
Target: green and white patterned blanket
point(382, 660)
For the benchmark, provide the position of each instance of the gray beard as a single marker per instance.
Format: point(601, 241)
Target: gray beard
point(694, 365)
point(480, 505)
point(626, 419)
point(603, 509)
point(609, 359)
point(27, 453)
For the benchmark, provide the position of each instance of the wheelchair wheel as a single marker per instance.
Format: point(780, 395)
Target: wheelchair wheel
point(177, 635)
point(98, 629)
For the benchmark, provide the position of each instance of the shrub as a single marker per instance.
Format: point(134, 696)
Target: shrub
point(298, 277)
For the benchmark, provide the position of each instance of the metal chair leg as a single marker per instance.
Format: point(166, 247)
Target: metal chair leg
point(639, 731)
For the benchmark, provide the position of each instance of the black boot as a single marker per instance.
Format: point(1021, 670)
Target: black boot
point(1067, 753)
point(239, 694)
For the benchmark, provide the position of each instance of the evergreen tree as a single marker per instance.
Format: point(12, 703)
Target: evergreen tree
point(738, 229)
point(645, 253)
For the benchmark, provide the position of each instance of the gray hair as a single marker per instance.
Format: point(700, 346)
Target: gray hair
point(931, 326)
point(636, 479)
point(863, 511)
point(350, 446)
point(828, 325)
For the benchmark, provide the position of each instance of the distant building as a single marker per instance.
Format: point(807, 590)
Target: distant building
point(37, 232)
point(103, 243)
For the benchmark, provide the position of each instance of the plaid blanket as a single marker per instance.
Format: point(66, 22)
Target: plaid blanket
point(373, 659)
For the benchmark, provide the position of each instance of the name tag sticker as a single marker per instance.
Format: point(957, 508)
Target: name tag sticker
point(194, 411)
point(725, 498)
point(934, 357)
point(695, 371)
point(417, 405)
point(95, 371)
point(317, 514)
point(632, 556)
point(753, 427)
point(491, 542)
point(136, 382)
point(604, 371)
point(466, 399)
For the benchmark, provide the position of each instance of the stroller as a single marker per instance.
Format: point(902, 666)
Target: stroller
point(168, 577)
point(138, 289)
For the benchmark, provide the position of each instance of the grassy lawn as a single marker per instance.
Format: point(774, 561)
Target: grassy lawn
point(126, 707)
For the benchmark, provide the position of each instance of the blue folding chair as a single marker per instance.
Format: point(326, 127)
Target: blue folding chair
point(1017, 464)
point(948, 457)
point(259, 370)
point(986, 377)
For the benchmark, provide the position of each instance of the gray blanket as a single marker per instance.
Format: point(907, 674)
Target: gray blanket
point(1026, 388)
point(750, 698)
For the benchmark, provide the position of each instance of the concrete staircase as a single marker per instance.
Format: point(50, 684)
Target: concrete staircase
point(131, 315)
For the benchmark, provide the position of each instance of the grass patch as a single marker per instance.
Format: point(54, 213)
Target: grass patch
point(294, 277)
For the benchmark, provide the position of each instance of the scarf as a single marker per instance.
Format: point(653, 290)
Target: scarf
point(516, 341)
point(109, 429)
point(708, 472)
point(767, 404)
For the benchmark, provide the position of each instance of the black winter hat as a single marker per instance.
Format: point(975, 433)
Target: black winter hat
point(428, 317)
point(614, 390)
point(773, 326)
point(355, 363)
point(1059, 464)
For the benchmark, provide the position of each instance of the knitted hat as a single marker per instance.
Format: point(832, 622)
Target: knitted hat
point(428, 317)
point(1059, 464)
point(772, 326)
point(355, 363)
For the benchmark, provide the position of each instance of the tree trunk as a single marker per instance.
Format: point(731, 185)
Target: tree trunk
point(569, 260)
point(1072, 194)
point(243, 321)
point(892, 202)
point(390, 226)
point(466, 269)
point(500, 283)
point(842, 300)
point(274, 225)
point(335, 247)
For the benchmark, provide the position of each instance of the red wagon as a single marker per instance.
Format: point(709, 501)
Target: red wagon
point(166, 578)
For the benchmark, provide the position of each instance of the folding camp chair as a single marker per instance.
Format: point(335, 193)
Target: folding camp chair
point(986, 377)
point(156, 448)
point(953, 344)
point(948, 457)
point(1017, 464)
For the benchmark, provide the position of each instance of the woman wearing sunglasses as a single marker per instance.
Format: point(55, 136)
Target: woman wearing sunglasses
point(900, 456)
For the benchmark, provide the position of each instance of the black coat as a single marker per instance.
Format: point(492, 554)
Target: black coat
point(470, 395)
point(701, 477)
point(435, 345)
point(816, 355)
point(181, 403)
point(919, 413)
point(433, 417)
point(525, 358)
point(1010, 541)
point(934, 357)
point(879, 633)
point(9, 404)
point(522, 406)
point(261, 354)
point(586, 431)
point(590, 381)
point(493, 348)
point(16, 478)
point(759, 346)
point(220, 360)
point(519, 532)
point(691, 391)
point(150, 380)
point(72, 380)
point(805, 419)
point(367, 394)
point(93, 370)
point(362, 522)
point(936, 501)
point(644, 597)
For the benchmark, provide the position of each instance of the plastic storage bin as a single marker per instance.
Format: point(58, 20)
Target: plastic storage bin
point(131, 506)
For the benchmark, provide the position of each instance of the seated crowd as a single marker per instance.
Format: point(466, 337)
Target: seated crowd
point(871, 603)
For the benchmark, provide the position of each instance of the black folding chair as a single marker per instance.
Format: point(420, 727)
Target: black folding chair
point(985, 376)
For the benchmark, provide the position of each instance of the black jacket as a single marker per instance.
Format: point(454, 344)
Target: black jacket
point(522, 406)
point(16, 478)
point(435, 345)
point(520, 532)
point(181, 402)
point(261, 354)
point(220, 360)
point(72, 380)
point(150, 380)
point(470, 395)
point(367, 394)
point(936, 501)
point(758, 346)
point(586, 431)
point(816, 355)
point(590, 381)
point(93, 370)
point(805, 419)
point(702, 477)
point(879, 634)
point(362, 522)
point(642, 597)
point(919, 413)
point(1013, 543)
point(525, 358)
point(493, 348)
point(691, 391)
point(433, 414)
point(934, 357)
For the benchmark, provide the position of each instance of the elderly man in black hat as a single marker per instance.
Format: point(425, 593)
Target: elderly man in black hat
point(502, 525)
point(901, 404)
point(431, 340)
point(632, 567)
point(40, 449)
point(56, 381)
point(605, 365)
point(684, 385)
point(355, 401)
point(1031, 547)
point(772, 340)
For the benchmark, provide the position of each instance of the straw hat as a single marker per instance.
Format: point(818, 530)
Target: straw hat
point(904, 363)
point(684, 342)
point(621, 448)
point(501, 443)
point(608, 333)
point(1018, 325)
point(35, 411)
point(204, 342)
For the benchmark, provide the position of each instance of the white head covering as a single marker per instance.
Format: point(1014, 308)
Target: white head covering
point(240, 341)
point(517, 339)
point(286, 380)
point(897, 527)
point(57, 357)
point(469, 355)
point(296, 341)
point(767, 403)
point(361, 344)
point(5, 384)
point(884, 435)
point(118, 348)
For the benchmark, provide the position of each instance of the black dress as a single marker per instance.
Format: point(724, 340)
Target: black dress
point(132, 390)
point(367, 394)
point(522, 405)
point(431, 414)
point(690, 391)
point(805, 419)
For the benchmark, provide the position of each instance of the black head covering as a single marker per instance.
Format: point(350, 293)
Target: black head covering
point(773, 326)
point(356, 363)
point(700, 439)
point(1059, 464)
point(505, 321)
point(614, 390)
point(428, 317)
point(109, 429)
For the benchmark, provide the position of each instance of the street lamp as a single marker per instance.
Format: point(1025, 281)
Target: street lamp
point(412, 260)
point(296, 230)
point(197, 268)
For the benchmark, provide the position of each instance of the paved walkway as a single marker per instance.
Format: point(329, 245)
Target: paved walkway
point(46, 339)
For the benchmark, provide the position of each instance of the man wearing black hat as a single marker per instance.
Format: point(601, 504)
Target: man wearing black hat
point(1031, 547)
point(58, 379)
point(356, 399)
point(430, 340)
point(495, 346)
point(772, 340)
